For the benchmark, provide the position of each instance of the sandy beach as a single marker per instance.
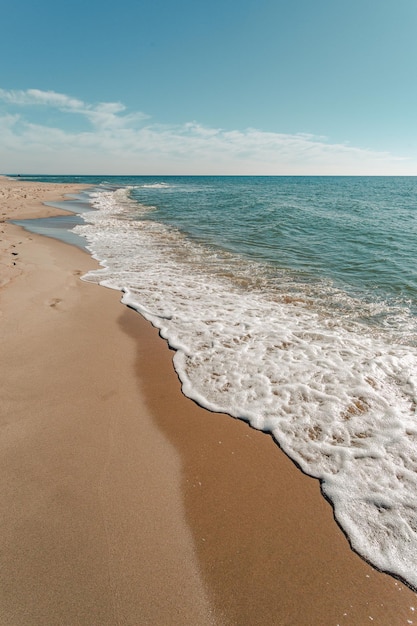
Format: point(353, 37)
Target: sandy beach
point(122, 501)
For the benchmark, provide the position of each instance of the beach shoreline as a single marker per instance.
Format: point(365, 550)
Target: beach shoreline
point(125, 502)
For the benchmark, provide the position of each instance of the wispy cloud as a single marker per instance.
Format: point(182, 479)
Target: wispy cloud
point(119, 141)
point(36, 96)
point(101, 115)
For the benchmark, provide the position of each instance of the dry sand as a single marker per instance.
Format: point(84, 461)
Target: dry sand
point(121, 501)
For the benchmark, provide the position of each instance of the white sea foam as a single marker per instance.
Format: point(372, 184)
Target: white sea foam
point(339, 398)
point(156, 186)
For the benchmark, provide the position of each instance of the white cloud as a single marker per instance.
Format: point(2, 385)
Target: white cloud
point(38, 97)
point(103, 114)
point(122, 142)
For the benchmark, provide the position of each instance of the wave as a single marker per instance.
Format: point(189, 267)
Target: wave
point(339, 396)
point(155, 186)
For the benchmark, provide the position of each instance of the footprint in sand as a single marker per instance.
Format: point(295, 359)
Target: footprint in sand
point(53, 303)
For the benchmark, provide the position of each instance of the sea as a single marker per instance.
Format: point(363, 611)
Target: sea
point(290, 303)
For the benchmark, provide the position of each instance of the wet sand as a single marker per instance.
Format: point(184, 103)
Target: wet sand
point(123, 502)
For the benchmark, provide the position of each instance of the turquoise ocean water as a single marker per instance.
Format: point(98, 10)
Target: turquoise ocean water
point(291, 303)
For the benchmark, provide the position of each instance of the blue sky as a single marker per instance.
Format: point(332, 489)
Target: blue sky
point(223, 87)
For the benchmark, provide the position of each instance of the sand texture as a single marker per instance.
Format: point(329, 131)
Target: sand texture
point(122, 501)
